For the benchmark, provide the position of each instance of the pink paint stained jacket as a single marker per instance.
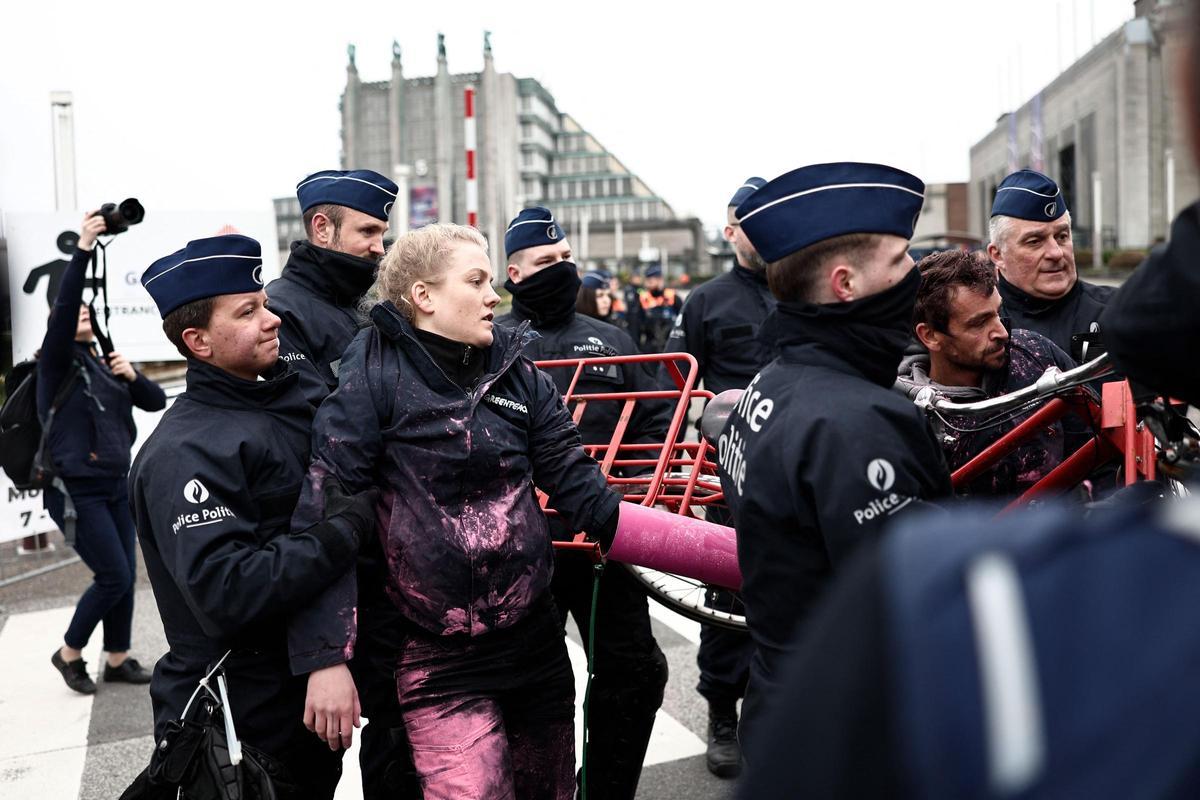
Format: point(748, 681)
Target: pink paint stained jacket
point(467, 545)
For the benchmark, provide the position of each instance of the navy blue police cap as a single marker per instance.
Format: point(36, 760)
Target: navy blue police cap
point(595, 280)
point(1026, 194)
point(360, 189)
point(821, 201)
point(532, 227)
point(748, 187)
point(230, 264)
point(654, 271)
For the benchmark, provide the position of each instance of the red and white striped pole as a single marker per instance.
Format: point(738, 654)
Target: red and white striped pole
point(469, 139)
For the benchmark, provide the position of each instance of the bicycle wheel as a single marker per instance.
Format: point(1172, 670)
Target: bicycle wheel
point(686, 597)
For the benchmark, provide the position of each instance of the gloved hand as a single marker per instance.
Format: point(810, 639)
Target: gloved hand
point(356, 509)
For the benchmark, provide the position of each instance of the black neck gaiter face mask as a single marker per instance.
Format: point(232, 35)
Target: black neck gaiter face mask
point(547, 297)
point(871, 333)
point(349, 276)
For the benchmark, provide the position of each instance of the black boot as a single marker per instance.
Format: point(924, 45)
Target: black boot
point(724, 756)
point(74, 674)
point(130, 671)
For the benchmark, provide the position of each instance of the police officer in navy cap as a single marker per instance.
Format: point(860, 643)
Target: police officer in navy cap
point(719, 325)
point(820, 455)
point(630, 669)
point(316, 297)
point(1031, 246)
point(213, 490)
point(659, 307)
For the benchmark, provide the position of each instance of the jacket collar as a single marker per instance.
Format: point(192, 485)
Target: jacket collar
point(505, 349)
point(1034, 306)
point(757, 277)
point(278, 391)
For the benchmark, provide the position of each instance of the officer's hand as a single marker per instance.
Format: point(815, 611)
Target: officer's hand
point(92, 226)
point(120, 366)
point(331, 708)
point(357, 509)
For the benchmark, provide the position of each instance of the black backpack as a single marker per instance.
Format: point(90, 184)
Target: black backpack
point(23, 437)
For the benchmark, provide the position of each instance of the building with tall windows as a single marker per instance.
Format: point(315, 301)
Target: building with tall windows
point(1108, 130)
point(527, 153)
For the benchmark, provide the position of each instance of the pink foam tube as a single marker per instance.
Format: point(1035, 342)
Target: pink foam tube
point(650, 537)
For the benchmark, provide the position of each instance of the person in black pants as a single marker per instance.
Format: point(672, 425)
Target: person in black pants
point(89, 445)
point(213, 489)
point(316, 299)
point(630, 668)
point(719, 325)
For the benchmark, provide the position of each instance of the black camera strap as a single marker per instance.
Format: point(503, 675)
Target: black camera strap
point(99, 281)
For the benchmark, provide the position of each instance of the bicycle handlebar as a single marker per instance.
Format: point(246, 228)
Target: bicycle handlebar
point(1053, 382)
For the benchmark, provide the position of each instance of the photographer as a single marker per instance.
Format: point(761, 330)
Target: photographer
point(89, 448)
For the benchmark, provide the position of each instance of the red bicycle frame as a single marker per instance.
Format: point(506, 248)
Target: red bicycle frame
point(673, 473)
point(1119, 435)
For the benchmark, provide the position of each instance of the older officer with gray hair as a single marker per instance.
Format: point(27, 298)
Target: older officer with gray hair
point(1031, 246)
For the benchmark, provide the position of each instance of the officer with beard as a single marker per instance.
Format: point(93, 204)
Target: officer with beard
point(345, 218)
point(316, 298)
point(820, 455)
point(719, 325)
point(631, 670)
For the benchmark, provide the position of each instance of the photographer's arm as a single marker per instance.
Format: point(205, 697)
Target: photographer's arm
point(57, 345)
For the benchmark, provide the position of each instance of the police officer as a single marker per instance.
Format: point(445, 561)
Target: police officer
point(213, 491)
point(630, 669)
point(317, 295)
point(820, 454)
point(1032, 248)
point(719, 325)
point(659, 307)
point(316, 298)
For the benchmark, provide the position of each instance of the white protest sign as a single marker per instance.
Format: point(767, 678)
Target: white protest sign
point(40, 245)
point(21, 512)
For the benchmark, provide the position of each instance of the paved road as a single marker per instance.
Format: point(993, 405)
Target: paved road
point(56, 744)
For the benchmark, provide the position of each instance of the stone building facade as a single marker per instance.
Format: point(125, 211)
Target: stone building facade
point(1109, 122)
point(528, 153)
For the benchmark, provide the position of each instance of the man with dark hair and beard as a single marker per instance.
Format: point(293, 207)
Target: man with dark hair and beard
point(317, 296)
point(971, 355)
point(316, 299)
point(820, 454)
point(630, 669)
point(719, 326)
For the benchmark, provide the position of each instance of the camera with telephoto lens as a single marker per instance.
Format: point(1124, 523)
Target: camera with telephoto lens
point(118, 218)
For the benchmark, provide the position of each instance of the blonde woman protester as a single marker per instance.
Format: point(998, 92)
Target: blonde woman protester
point(438, 407)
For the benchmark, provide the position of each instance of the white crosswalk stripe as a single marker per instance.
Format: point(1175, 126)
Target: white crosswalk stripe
point(44, 735)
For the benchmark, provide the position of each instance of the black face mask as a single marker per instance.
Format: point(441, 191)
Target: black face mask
point(349, 276)
point(547, 297)
point(871, 333)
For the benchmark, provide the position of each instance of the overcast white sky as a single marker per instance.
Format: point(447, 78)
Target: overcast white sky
point(219, 104)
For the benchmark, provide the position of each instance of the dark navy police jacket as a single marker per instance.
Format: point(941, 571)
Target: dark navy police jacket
point(816, 459)
point(93, 430)
point(586, 337)
point(468, 547)
point(1058, 319)
point(719, 325)
point(316, 298)
point(213, 491)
